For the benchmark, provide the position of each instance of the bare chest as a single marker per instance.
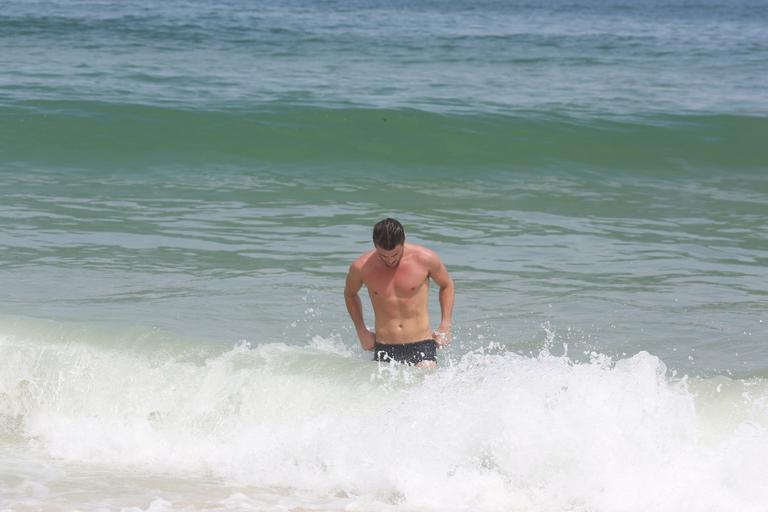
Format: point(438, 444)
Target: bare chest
point(405, 281)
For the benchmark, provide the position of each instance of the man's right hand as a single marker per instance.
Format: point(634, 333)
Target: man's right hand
point(367, 339)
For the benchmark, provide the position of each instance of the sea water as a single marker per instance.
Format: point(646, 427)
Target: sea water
point(183, 186)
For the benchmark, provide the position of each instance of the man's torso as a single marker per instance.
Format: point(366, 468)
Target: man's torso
point(399, 296)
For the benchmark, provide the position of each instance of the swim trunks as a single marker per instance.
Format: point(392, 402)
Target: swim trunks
point(409, 353)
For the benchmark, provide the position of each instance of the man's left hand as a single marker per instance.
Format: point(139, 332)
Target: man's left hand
point(442, 335)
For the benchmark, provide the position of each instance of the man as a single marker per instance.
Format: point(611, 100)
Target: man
point(397, 276)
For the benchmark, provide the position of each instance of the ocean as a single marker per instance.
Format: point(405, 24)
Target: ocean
point(183, 185)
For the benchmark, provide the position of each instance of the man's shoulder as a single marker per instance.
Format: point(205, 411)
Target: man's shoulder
point(423, 254)
point(360, 261)
point(422, 251)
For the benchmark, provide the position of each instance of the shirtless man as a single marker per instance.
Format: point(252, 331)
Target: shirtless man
point(397, 277)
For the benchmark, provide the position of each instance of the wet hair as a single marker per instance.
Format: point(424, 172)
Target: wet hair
point(388, 234)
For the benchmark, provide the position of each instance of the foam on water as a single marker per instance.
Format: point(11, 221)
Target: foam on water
point(321, 424)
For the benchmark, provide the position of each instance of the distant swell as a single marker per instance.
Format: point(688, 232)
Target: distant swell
point(86, 133)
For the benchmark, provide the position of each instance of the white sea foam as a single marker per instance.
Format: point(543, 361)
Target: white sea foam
point(322, 425)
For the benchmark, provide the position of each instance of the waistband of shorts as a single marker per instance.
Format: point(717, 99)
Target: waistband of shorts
point(409, 344)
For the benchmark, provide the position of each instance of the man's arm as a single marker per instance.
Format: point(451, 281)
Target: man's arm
point(439, 275)
point(355, 306)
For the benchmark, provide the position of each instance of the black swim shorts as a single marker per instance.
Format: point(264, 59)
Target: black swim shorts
point(409, 353)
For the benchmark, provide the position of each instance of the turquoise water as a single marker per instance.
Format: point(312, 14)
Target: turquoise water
point(183, 187)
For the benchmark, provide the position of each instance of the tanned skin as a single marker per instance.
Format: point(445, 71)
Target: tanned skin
point(398, 286)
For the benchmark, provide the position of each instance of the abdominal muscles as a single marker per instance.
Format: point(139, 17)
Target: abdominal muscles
point(402, 320)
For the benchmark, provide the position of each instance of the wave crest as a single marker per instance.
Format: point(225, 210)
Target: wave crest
point(491, 430)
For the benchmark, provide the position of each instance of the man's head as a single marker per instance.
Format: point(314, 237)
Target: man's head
point(389, 240)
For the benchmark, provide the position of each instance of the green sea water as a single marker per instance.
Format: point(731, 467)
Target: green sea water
point(674, 266)
point(183, 186)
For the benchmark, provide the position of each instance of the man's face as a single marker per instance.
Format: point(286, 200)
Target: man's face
point(390, 258)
